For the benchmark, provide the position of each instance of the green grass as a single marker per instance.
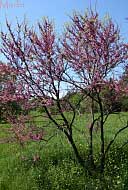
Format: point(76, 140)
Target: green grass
point(57, 168)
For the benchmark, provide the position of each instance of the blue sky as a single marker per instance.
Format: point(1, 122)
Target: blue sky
point(60, 9)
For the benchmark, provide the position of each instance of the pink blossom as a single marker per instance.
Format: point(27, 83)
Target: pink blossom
point(36, 137)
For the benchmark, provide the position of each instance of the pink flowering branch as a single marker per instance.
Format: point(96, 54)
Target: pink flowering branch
point(37, 57)
point(93, 48)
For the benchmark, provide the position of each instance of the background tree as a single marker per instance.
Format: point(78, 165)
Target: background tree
point(7, 91)
point(124, 84)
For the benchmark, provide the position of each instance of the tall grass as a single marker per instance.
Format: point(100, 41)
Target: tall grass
point(57, 169)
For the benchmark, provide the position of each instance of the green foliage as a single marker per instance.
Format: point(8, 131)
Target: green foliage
point(81, 103)
point(124, 103)
point(73, 98)
point(11, 107)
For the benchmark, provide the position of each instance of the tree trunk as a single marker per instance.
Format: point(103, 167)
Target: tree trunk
point(78, 157)
point(102, 158)
point(102, 161)
point(91, 160)
point(102, 152)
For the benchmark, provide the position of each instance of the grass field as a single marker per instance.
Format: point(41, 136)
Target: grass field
point(57, 169)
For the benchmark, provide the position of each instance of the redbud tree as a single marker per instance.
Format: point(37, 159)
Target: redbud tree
point(84, 60)
point(94, 50)
point(36, 57)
